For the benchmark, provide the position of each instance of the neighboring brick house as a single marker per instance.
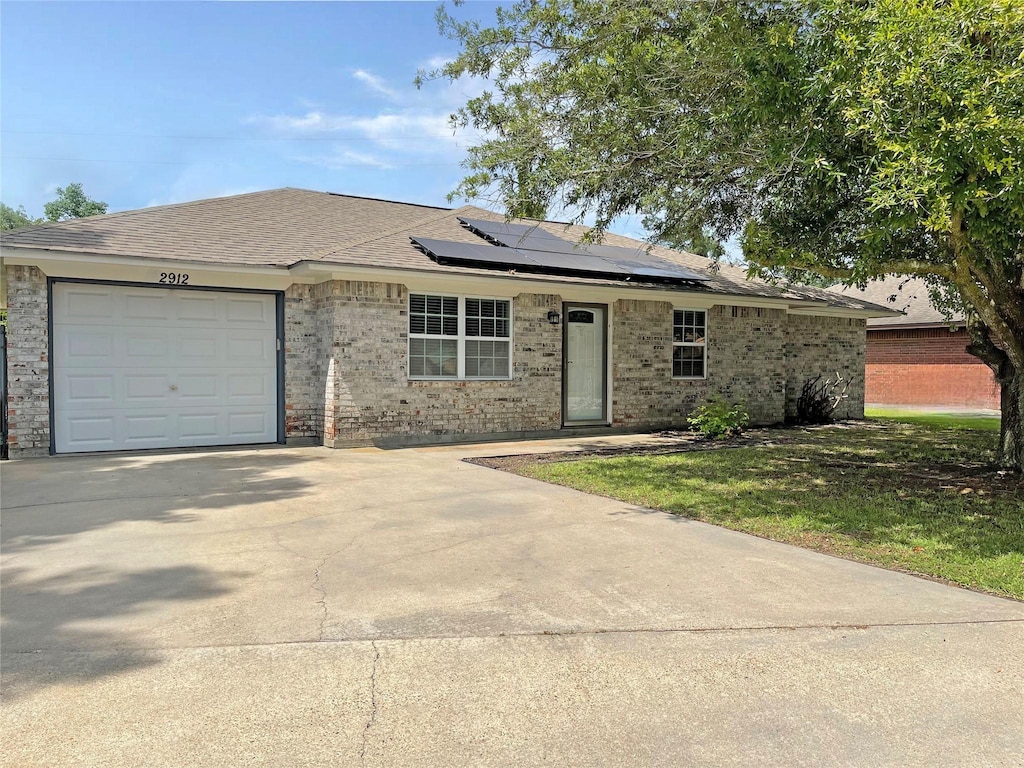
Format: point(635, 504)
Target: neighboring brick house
point(919, 358)
point(289, 314)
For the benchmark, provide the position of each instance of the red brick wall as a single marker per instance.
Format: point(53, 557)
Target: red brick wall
point(926, 367)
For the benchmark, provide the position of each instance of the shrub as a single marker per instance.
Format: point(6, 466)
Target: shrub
point(819, 399)
point(718, 418)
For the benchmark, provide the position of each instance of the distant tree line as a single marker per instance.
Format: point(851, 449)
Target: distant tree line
point(71, 203)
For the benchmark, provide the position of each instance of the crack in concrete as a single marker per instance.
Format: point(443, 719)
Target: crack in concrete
point(373, 703)
point(322, 602)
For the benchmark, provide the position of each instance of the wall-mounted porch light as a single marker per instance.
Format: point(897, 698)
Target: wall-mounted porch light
point(553, 317)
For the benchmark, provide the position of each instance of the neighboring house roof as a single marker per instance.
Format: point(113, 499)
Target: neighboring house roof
point(287, 227)
point(908, 295)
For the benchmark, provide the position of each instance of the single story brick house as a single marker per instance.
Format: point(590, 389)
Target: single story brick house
point(919, 358)
point(292, 315)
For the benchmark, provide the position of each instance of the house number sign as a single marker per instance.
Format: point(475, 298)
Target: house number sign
point(174, 278)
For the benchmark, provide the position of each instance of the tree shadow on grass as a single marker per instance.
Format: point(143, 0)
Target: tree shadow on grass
point(49, 500)
point(882, 488)
point(56, 630)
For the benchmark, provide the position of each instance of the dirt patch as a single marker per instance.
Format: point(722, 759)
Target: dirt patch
point(669, 441)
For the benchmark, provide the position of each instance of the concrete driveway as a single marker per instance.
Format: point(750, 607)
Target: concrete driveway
point(300, 607)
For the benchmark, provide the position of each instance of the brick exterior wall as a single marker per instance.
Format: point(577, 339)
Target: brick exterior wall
point(825, 345)
point(28, 365)
point(927, 367)
point(745, 364)
point(369, 396)
point(304, 353)
point(346, 361)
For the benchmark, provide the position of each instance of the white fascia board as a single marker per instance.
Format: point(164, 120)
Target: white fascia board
point(826, 310)
point(507, 285)
point(90, 266)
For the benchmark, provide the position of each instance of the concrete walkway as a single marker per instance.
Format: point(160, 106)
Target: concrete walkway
point(310, 607)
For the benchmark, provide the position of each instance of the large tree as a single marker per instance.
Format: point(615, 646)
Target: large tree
point(838, 138)
point(14, 218)
point(72, 203)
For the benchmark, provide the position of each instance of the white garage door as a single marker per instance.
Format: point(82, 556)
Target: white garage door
point(162, 367)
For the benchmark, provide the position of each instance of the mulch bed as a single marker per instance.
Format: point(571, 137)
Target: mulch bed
point(681, 442)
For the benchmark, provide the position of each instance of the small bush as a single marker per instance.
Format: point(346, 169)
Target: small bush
point(719, 418)
point(819, 399)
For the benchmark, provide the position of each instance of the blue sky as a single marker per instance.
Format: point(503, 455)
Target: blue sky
point(148, 103)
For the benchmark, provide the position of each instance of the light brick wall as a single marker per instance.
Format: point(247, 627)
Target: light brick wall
point(826, 345)
point(28, 365)
point(304, 353)
point(345, 366)
point(369, 396)
point(744, 364)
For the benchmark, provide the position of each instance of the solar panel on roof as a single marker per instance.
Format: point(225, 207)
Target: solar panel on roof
point(576, 262)
point(657, 268)
point(586, 257)
point(446, 249)
point(507, 229)
point(564, 261)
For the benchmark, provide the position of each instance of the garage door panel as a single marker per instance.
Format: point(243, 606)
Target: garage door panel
point(146, 305)
point(197, 308)
point(89, 303)
point(147, 388)
point(90, 433)
point(245, 386)
point(146, 427)
point(253, 423)
point(200, 386)
point(84, 347)
point(201, 348)
point(90, 389)
point(200, 426)
point(123, 381)
point(146, 346)
point(250, 312)
point(249, 349)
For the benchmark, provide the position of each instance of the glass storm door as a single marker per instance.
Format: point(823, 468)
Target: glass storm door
point(585, 363)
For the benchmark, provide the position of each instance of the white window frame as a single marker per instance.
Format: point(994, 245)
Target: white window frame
point(703, 345)
point(461, 338)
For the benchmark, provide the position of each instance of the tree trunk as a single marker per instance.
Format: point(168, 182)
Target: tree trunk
point(1011, 436)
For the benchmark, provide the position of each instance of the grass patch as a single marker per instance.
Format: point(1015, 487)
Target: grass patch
point(938, 420)
point(917, 498)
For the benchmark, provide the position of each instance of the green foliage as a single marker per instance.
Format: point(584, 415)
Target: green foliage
point(702, 243)
point(847, 140)
point(72, 203)
point(718, 418)
point(11, 218)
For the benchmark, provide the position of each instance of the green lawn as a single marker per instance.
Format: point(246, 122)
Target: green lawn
point(942, 420)
point(914, 498)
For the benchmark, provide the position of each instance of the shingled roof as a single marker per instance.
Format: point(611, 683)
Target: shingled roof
point(907, 295)
point(286, 227)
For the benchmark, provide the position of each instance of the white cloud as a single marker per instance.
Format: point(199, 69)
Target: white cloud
point(200, 181)
point(377, 84)
point(345, 158)
point(415, 129)
point(311, 122)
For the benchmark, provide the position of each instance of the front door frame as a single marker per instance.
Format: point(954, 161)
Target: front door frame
point(605, 309)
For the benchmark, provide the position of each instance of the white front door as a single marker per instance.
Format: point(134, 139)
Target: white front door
point(585, 383)
point(140, 367)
